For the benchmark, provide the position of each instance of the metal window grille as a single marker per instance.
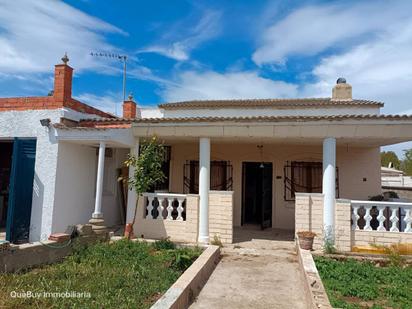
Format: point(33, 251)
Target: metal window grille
point(304, 177)
point(221, 178)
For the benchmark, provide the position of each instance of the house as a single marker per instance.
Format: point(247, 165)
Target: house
point(273, 163)
point(396, 181)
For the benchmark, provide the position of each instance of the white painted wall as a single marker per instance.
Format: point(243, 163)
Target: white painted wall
point(251, 112)
point(26, 124)
point(75, 185)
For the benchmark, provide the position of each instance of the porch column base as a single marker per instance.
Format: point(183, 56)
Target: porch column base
point(98, 225)
point(203, 239)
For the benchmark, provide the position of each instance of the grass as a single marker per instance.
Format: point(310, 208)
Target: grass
point(352, 284)
point(123, 274)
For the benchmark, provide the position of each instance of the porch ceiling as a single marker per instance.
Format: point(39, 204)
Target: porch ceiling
point(377, 132)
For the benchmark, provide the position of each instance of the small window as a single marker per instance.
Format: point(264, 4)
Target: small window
point(304, 177)
point(220, 176)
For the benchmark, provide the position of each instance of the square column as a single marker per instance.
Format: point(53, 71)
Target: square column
point(204, 187)
point(97, 216)
point(329, 188)
point(131, 194)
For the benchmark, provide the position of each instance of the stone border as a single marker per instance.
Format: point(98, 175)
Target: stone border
point(187, 287)
point(314, 290)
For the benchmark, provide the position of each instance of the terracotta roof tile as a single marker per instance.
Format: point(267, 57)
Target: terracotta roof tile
point(109, 122)
point(275, 103)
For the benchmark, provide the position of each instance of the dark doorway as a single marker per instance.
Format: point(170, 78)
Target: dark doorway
point(18, 184)
point(257, 193)
point(6, 151)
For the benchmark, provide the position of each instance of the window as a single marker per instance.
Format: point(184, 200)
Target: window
point(220, 176)
point(304, 177)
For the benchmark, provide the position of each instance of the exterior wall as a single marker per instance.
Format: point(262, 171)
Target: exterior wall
point(354, 165)
point(26, 124)
point(76, 186)
point(221, 216)
point(184, 231)
point(309, 216)
point(250, 112)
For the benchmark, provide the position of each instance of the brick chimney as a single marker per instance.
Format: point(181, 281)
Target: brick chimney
point(62, 81)
point(129, 108)
point(342, 91)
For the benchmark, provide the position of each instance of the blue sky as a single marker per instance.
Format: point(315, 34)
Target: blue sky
point(180, 50)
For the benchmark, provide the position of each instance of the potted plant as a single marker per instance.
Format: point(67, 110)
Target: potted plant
point(306, 239)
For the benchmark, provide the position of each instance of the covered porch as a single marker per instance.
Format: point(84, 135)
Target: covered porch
point(224, 176)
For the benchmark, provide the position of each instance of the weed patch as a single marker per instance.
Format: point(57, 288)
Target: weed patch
point(123, 274)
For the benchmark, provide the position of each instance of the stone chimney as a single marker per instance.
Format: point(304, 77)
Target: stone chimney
point(129, 108)
point(342, 91)
point(62, 81)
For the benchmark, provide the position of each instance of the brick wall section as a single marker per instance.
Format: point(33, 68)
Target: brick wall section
point(343, 228)
point(129, 109)
point(221, 215)
point(61, 97)
point(363, 238)
point(309, 215)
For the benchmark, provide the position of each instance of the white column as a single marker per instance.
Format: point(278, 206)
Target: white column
point(131, 195)
point(329, 187)
point(99, 182)
point(204, 184)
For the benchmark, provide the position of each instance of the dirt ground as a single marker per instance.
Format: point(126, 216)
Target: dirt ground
point(256, 273)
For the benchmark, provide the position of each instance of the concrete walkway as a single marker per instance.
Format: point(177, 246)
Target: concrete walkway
point(255, 273)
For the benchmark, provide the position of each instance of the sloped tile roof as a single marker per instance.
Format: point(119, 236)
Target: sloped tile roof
point(123, 122)
point(274, 103)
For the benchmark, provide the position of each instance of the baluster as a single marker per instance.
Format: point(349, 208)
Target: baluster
point(394, 219)
point(355, 218)
point(368, 218)
point(381, 218)
point(160, 209)
point(408, 220)
point(150, 207)
point(169, 208)
point(180, 209)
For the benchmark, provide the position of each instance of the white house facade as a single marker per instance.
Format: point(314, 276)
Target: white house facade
point(229, 163)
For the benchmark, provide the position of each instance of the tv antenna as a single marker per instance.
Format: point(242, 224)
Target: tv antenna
point(122, 58)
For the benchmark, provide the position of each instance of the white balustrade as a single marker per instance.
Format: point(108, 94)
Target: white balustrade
point(164, 199)
point(395, 209)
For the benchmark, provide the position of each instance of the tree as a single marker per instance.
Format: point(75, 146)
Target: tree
point(390, 157)
point(406, 165)
point(147, 169)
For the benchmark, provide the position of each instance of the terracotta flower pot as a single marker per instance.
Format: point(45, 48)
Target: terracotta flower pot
point(306, 240)
point(128, 231)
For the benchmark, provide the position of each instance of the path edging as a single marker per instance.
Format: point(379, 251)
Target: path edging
point(189, 284)
point(314, 289)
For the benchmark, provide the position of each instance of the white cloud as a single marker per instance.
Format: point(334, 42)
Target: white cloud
point(181, 39)
point(233, 85)
point(312, 29)
point(378, 69)
point(107, 102)
point(35, 34)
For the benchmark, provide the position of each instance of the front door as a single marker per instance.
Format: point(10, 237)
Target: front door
point(21, 190)
point(257, 194)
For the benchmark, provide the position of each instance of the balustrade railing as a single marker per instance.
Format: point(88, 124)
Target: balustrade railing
point(382, 216)
point(165, 206)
